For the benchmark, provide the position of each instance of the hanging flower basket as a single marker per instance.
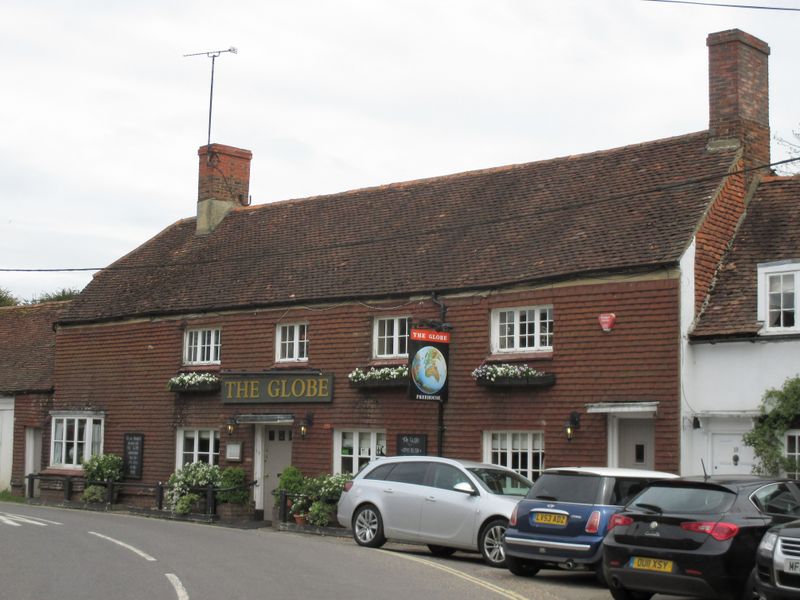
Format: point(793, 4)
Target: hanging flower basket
point(194, 382)
point(511, 375)
point(372, 378)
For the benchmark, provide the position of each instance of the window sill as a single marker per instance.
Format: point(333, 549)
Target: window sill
point(513, 357)
point(201, 367)
point(62, 470)
point(388, 362)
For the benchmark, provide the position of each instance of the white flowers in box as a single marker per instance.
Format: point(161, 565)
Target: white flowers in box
point(385, 375)
point(194, 382)
point(511, 374)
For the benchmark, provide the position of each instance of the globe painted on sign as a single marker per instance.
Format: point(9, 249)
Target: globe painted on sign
point(429, 370)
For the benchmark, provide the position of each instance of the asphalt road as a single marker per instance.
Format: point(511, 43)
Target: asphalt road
point(47, 552)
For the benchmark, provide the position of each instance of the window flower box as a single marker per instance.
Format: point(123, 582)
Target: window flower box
point(510, 375)
point(372, 378)
point(194, 382)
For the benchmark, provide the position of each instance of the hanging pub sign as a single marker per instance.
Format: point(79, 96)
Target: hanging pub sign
point(428, 352)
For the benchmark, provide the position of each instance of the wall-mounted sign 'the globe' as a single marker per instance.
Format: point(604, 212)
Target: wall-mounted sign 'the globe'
point(427, 357)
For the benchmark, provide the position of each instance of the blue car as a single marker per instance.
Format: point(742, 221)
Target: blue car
point(562, 521)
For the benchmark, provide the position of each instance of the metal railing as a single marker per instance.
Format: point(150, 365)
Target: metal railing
point(112, 487)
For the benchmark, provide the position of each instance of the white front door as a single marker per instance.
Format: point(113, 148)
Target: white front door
point(636, 443)
point(6, 441)
point(277, 456)
point(729, 455)
point(33, 456)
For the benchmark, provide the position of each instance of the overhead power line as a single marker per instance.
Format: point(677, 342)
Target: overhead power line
point(721, 5)
point(498, 220)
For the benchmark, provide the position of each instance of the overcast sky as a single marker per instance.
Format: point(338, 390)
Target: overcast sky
point(102, 116)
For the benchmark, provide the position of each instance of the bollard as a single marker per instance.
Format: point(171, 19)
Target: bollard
point(160, 496)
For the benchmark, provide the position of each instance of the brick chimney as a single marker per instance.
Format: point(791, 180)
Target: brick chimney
point(223, 184)
point(738, 79)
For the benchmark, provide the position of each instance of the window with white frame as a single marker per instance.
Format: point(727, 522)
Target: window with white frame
point(197, 445)
point(390, 337)
point(202, 346)
point(353, 449)
point(292, 342)
point(526, 329)
point(792, 451)
point(75, 438)
point(520, 451)
point(778, 291)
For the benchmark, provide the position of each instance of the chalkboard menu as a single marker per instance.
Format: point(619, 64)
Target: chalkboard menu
point(412, 444)
point(132, 458)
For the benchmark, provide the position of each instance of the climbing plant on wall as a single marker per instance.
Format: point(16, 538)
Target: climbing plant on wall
point(780, 410)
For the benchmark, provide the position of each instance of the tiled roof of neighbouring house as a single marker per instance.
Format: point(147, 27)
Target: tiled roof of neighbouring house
point(601, 212)
point(770, 231)
point(27, 346)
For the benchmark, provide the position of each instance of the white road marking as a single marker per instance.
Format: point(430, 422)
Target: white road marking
point(8, 521)
point(144, 555)
point(510, 594)
point(179, 589)
point(26, 519)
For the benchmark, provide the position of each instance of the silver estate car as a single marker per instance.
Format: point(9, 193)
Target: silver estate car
point(445, 503)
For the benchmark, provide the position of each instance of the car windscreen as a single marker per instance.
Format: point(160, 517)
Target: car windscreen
point(498, 481)
point(566, 487)
point(684, 499)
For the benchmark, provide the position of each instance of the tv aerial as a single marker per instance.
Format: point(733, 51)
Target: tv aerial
point(213, 54)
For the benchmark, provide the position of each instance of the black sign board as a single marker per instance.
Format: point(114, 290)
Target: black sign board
point(412, 444)
point(132, 456)
point(428, 356)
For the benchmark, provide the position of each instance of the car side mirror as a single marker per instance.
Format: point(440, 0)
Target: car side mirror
point(465, 488)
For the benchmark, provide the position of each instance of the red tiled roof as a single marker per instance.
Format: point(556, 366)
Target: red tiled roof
point(605, 211)
point(770, 231)
point(27, 346)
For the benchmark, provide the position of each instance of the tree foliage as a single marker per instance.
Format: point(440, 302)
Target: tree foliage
point(6, 298)
point(793, 150)
point(779, 410)
point(58, 295)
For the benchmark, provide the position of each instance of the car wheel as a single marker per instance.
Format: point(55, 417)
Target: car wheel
point(622, 593)
point(443, 551)
point(490, 543)
point(368, 527)
point(521, 567)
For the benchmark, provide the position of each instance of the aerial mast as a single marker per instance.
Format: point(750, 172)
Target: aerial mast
point(213, 54)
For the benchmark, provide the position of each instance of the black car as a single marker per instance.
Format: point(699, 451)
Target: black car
point(778, 563)
point(695, 536)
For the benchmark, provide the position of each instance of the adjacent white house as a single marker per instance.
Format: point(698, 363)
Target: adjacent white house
point(747, 339)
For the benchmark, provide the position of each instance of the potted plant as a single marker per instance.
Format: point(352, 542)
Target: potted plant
point(233, 496)
point(105, 468)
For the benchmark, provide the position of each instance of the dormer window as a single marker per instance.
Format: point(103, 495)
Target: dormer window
point(778, 289)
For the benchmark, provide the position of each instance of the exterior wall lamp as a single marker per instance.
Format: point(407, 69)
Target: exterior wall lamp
point(306, 424)
point(230, 426)
point(571, 424)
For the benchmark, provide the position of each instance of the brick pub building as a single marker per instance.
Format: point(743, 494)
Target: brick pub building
point(283, 301)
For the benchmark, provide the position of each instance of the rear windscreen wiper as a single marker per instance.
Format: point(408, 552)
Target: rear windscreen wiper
point(650, 507)
point(553, 498)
